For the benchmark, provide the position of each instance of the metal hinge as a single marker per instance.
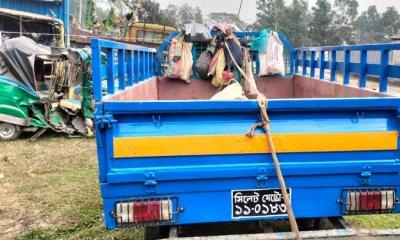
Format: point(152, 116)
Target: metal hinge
point(105, 121)
point(261, 178)
point(150, 183)
point(365, 176)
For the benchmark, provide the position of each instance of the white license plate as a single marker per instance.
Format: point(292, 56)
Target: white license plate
point(253, 203)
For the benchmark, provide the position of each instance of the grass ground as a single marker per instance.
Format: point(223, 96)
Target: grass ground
point(50, 191)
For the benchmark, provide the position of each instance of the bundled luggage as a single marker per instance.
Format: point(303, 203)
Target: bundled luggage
point(180, 59)
point(270, 53)
point(225, 60)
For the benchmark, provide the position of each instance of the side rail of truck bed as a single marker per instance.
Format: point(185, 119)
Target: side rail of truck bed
point(358, 61)
point(164, 162)
point(117, 66)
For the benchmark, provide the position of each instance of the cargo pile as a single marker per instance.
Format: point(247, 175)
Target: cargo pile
point(227, 61)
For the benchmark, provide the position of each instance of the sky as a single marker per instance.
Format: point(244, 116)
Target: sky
point(249, 9)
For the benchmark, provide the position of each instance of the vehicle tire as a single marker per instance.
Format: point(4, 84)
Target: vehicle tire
point(153, 233)
point(9, 131)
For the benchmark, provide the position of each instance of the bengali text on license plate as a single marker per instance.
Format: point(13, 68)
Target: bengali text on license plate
point(258, 203)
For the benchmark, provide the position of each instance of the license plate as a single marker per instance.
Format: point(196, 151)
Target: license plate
point(251, 203)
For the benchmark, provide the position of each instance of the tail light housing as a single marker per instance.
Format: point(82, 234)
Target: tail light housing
point(369, 201)
point(144, 212)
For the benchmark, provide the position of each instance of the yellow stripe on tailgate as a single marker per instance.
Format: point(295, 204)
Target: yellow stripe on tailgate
point(153, 146)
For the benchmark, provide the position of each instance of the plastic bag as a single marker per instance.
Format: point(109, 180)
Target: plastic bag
point(260, 43)
point(272, 61)
point(248, 83)
point(218, 68)
point(197, 32)
point(203, 63)
point(187, 62)
point(180, 60)
point(232, 92)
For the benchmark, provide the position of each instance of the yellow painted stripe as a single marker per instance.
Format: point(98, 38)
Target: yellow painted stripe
point(240, 144)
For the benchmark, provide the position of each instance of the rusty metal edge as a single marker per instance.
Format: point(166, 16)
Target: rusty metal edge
point(351, 232)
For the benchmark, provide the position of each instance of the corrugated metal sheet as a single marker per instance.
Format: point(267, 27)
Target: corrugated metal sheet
point(52, 8)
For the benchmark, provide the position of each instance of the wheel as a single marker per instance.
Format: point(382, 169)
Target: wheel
point(153, 233)
point(9, 132)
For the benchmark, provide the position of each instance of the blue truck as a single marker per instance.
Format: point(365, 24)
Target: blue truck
point(169, 156)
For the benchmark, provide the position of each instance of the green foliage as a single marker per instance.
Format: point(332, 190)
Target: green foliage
point(369, 27)
point(321, 23)
point(108, 23)
point(345, 17)
point(291, 20)
point(327, 24)
point(90, 14)
point(390, 22)
point(150, 12)
point(296, 24)
point(188, 14)
point(270, 14)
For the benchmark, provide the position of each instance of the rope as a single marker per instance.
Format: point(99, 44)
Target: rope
point(265, 124)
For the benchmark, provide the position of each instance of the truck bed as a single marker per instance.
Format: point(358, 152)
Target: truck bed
point(297, 86)
point(162, 140)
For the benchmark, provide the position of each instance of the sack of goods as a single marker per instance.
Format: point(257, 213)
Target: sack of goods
point(180, 59)
point(270, 53)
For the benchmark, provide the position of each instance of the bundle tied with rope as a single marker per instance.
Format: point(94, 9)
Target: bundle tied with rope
point(265, 124)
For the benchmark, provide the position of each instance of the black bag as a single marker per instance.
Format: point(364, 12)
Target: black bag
point(236, 51)
point(203, 63)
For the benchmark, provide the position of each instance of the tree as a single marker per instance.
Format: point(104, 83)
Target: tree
point(90, 14)
point(108, 23)
point(321, 23)
point(295, 24)
point(170, 15)
point(187, 14)
point(270, 14)
point(390, 22)
point(222, 17)
point(198, 15)
point(345, 17)
point(369, 26)
point(150, 12)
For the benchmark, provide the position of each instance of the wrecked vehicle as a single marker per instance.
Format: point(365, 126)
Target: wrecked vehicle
point(42, 29)
point(44, 88)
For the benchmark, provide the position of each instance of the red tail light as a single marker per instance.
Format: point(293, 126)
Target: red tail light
point(143, 211)
point(367, 201)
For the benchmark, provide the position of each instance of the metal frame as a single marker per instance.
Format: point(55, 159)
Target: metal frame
point(130, 64)
point(384, 70)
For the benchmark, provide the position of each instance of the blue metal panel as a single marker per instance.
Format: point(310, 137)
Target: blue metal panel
point(194, 180)
point(129, 67)
point(363, 69)
point(121, 69)
point(141, 65)
point(51, 8)
point(384, 70)
point(322, 65)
